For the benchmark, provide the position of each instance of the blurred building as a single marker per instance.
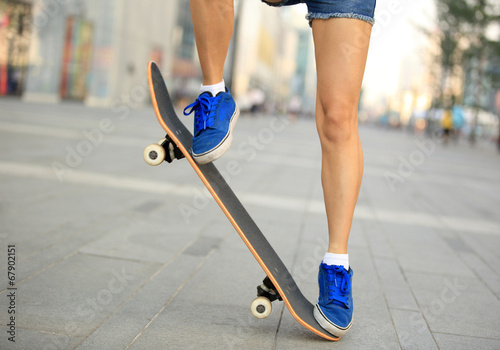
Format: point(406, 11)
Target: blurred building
point(15, 29)
point(274, 55)
point(96, 51)
point(413, 96)
point(482, 90)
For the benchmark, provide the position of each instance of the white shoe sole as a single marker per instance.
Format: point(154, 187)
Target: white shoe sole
point(327, 325)
point(222, 147)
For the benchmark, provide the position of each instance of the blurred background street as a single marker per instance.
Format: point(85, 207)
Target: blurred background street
point(114, 254)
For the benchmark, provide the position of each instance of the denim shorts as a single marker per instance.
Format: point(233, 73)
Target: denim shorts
point(324, 9)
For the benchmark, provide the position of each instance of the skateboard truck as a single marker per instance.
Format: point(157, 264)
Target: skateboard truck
point(163, 150)
point(266, 293)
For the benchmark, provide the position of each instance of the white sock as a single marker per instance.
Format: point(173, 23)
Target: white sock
point(214, 89)
point(337, 259)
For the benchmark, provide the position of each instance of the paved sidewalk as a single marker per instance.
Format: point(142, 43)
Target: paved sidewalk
point(113, 254)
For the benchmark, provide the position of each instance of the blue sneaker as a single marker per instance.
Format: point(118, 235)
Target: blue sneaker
point(214, 120)
point(334, 308)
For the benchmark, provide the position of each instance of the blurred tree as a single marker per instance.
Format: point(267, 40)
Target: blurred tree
point(465, 46)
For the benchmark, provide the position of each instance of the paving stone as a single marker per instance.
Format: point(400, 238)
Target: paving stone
point(127, 322)
point(411, 245)
point(456, 305)
point(216, 306)
point(487, 275)
point(152, 241)
point(485, 247)
point(460, 342)
point(75, 295)
point(377, 240)
point(413, 332)
point(29, 339)
point(396, 290)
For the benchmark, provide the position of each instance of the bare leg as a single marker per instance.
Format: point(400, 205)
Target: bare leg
point(213, 27)
point(341, 47)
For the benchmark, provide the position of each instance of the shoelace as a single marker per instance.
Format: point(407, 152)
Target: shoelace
point(204, 108)
point(339, 284)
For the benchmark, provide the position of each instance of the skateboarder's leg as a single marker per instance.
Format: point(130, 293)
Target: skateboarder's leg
point(341, 47)
point(213, 28)
point(215, 110)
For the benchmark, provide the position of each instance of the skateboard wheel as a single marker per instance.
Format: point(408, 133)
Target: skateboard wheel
point(261, 307)
point(154, 154)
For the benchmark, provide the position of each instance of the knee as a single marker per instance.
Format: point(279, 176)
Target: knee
point(338, 122)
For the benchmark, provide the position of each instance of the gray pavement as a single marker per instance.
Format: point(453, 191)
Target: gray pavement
point(114, 254)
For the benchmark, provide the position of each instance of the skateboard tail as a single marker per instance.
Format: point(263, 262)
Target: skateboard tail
point(198, 169)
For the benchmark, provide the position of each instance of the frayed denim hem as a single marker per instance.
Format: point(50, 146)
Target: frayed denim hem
point(310, 16)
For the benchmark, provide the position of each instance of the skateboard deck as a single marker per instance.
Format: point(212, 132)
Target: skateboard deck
point(298, 306)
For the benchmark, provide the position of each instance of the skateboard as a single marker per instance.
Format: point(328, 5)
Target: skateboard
point(279, 283)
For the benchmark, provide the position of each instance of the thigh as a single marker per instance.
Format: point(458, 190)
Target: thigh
point(341, 48)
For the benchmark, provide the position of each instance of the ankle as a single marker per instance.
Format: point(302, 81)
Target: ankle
point(214, 89)
point(337, 259)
